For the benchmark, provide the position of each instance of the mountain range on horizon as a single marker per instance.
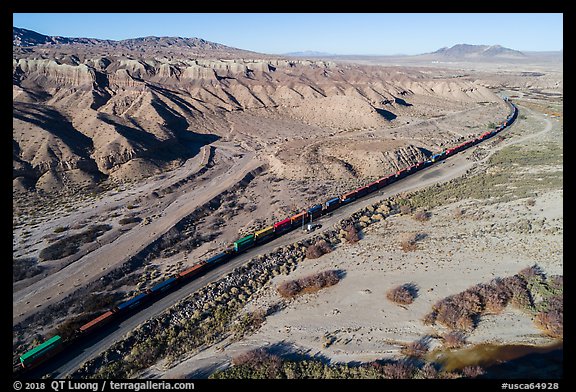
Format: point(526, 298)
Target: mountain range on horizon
point(27, 38)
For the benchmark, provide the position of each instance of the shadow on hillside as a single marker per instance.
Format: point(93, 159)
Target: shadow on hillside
point(386, 114)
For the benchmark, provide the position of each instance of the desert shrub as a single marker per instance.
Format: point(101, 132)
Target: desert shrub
point(416, 349)
point(428, 371)
point(398, 370)
point(517, 288)
point(249, 323)
point(551, 318)
point(69, 245)
point(98, 302)
point(458, 311)
point(60, 229)
point(454, 339)
point(130, 219)
point(259, 363)
point(422, 216)
point(308, 284)
point(405, 209)
point(318, 249)
point(351, 234)
point(556, 283)
point(430, 318)
point(23, 268)
point(495, 297)
point(459, 212)
point(408, 242)
point(530, 202)
point(472, 371)
point(289, 289)
point(403, 294)
point(533, 272)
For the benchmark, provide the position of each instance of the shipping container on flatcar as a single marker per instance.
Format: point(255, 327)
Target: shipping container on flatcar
point(282, 225)
point(192, 271)
point(163, 286)
point(244, 243)
point(299, 218)
point(97, 322)
point(220, 257)
point(41, 352)
point(331, 204)
point(261, 235)
point(132, 303)
point(315, 211)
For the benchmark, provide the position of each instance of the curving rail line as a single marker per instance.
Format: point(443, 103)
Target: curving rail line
point(56, 344)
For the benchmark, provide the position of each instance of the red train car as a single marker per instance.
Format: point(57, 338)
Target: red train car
point(282, 225)
point(192, 271)
point(97, 322)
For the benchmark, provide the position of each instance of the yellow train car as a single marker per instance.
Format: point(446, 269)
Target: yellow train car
point(264, 232)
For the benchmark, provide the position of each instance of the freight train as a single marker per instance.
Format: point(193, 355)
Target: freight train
point(55, 344)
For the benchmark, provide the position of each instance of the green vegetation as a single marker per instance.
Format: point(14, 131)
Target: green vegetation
point(529, 290)
point(259, 364)
point(505, 180)
point(248, 324)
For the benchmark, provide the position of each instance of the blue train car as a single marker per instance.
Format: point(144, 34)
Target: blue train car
point(133, 302)
point(218, 258)
point(163, 286)
point(332, 204)
point(315, 211)
point(437, 157)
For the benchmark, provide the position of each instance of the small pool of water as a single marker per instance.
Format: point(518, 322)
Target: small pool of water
point(488, 354)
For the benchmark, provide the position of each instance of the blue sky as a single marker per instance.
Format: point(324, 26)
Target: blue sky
point(345, 33)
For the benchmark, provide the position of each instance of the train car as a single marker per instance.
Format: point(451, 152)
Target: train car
point(264, 233)
point(438, 156)
point(350, 196)
point(417, 166)
point(285, 224)
point(450, 151)
point(192, 271)
point(372, 186)
point(331, 204)
point(402, 173)
point(315, 211)
point(297, 219)
point(426, 163)
point(97, 322)
point(360, 192)
point(132, 303)
point(382, 182)
point(244, 243)
point(41, 352)
point(163, 286)
point(220, 257)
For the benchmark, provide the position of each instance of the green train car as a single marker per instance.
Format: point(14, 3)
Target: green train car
point(41, 352)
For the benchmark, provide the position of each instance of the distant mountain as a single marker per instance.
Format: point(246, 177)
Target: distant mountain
point(474, 51)
point(23, 38)
point(308, 53)
point(26, 38)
